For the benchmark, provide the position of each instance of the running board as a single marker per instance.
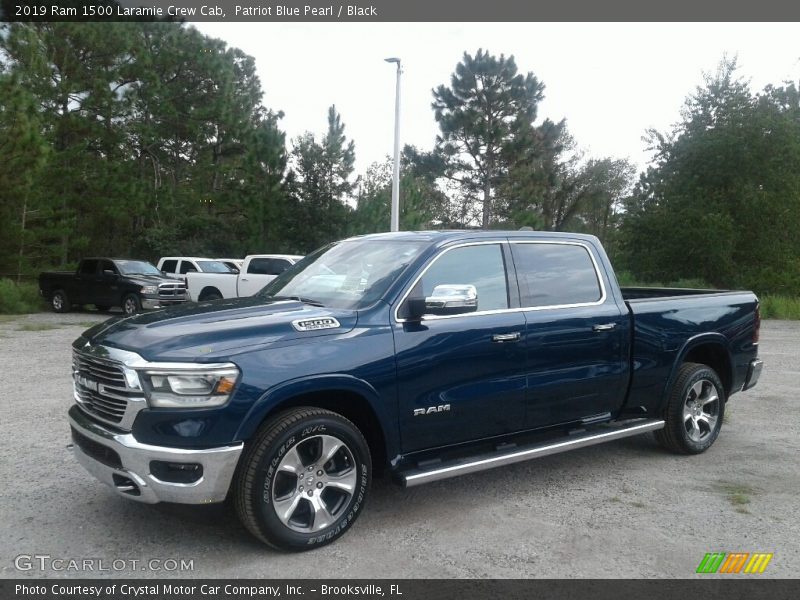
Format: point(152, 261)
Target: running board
point(438, 471)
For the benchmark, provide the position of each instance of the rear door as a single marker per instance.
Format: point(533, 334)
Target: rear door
point(86, 287)
point(574, 333)
point(461, 377)
point(259, 272)
point(107, 292)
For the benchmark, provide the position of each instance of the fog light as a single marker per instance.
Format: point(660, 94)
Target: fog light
point(170, 472)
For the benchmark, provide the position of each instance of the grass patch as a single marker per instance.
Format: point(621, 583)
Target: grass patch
point(780, 307)
point(615, 499)
point(37, 327)
point(18, 299)
point(638, 504)
point(8, 318)
point(738, 494)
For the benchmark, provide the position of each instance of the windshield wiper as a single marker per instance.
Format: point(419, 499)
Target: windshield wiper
point(310, 301)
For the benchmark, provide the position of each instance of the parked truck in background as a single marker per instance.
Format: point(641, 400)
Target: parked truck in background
point(425, 355)
point(132, 285)
point(256, 271)
point(178, 266)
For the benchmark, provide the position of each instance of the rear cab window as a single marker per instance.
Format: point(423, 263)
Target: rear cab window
point(556, 274)
point(88, 267)
point(170, 266)
point(268, 266)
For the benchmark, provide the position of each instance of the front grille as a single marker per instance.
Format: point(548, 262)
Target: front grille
point(101, 388)
point(172, 291)
point(97, 451)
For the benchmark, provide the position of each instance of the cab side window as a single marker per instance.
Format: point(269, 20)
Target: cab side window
point(481, 265)
point(555, 274)
point(187, 267)
point(169, 266)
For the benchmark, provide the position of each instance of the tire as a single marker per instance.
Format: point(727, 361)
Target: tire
point(206, 296)
point(131, 305)
point(60, 302)
point(280, 464)
point(102, 308)
point(694, 412)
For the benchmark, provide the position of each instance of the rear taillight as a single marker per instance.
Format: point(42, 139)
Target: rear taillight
point(757, 324)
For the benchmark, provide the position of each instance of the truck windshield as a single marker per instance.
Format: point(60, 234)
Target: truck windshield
point(213, 266)
point(136, 267)
point(349, 275)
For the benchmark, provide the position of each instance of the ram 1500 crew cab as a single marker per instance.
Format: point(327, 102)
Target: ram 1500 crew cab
point(424, 355)
point(254, 273)
point(106, 282)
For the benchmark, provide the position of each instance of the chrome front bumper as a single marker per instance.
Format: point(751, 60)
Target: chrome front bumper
point(153, 303)
point(753, 373)
point(123, 464)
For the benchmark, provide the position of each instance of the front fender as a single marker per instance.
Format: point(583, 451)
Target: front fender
point(282, 393)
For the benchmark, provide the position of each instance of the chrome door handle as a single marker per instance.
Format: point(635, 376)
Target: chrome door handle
point(506, 337)
point(245, 279)
point(604, 327)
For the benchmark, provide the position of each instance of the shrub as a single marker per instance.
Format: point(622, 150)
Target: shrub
point(780, 307)
point(16, 299)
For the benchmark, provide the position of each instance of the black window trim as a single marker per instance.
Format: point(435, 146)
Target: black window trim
point(511, 269)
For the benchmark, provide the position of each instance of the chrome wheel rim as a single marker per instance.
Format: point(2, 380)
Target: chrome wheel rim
point(314, 483)
point(701, 410)
point(58, 302)
point(130, 306)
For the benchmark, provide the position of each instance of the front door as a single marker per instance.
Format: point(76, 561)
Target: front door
point(461, 377)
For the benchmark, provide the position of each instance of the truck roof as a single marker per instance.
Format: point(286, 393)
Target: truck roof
point(448, 235)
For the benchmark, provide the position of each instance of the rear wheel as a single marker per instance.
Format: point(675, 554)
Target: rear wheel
point(60, 301)
point(131, 304)
point(210, 295)
point(303, 480)
point(694, 411)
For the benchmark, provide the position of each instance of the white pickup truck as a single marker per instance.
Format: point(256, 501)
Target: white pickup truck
point(256, 272)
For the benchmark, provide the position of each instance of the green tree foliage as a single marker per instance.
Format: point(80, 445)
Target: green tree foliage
point(486, 109)
point(154, 140)
point(722, 200)
point(423, 205)
point(321, 183)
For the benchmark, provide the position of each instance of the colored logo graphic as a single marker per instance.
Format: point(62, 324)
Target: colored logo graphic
point(734, 562)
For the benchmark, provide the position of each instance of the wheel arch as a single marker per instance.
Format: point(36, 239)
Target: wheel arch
point(354, 399)
point(207, 290)
point(710, 349)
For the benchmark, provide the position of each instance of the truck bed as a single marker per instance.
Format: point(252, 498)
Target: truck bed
point(646, 293)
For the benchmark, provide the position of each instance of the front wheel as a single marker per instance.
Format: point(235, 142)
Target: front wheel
point(131, 305)
point(303, 480)
point(60, 301)
point(694, 411)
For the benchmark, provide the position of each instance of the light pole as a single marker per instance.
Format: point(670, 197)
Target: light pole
point(395, 226)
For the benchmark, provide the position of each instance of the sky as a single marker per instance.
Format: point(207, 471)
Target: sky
point(611, 81)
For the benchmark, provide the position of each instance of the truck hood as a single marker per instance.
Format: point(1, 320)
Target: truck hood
point(210, 331)
point(150, 279)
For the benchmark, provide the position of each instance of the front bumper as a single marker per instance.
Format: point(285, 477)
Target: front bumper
point(753, 373)
point(153, 303)
point(124, 464)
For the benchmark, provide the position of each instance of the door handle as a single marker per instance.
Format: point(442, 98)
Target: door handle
point(506, 337)
point(604, 327)
point(245, 279)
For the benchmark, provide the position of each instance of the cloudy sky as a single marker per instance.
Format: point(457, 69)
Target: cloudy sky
point(610, 81)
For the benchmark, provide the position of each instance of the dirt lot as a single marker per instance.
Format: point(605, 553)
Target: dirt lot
point(625, 509)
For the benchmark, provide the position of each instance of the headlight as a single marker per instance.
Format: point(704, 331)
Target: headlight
point(151, 290)
point(190, 388)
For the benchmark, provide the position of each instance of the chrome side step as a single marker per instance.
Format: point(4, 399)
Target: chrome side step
point(418, 476)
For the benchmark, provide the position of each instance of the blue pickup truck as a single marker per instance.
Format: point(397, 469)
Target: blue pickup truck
point(421, 355)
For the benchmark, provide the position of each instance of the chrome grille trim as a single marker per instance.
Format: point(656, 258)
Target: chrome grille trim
point(106, 390)
point(172, 291)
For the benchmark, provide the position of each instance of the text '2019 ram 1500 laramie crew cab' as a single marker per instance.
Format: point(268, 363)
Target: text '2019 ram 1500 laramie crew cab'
point(106, 282)
point(428, 355)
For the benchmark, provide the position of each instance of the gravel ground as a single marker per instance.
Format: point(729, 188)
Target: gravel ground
point(624, 509)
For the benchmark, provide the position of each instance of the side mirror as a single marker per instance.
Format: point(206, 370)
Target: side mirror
point(446, 299)
point(109, 273)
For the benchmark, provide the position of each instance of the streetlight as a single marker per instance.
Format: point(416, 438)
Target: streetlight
point(396, 178)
